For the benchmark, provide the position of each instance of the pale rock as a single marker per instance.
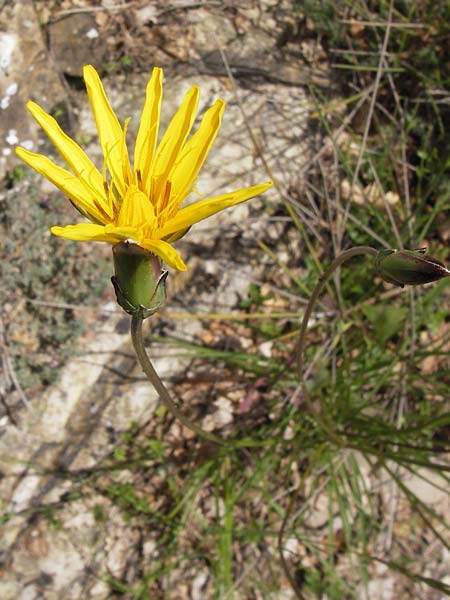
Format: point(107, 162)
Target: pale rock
point(198, 584)
point(76, 422)
point(266, 349)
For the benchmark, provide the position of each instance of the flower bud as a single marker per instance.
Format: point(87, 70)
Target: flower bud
point(139, 280)
point(409, 267)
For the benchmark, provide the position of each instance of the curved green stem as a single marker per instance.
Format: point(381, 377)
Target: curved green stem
point(337, 262)
point(149, 370)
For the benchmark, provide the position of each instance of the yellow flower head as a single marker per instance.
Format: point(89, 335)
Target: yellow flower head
point(143, 203)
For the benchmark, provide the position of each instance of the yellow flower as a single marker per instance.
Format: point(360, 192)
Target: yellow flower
point(141, 204)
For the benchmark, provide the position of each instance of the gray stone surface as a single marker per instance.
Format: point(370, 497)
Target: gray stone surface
point(26, 71)
point(75, 41)
point(75, 423)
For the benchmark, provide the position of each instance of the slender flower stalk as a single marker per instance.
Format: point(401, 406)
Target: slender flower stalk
point(400, 267)
point(337, 262)
point(149, 370)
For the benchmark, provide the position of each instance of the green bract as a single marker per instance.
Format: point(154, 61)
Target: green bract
point(139, 280)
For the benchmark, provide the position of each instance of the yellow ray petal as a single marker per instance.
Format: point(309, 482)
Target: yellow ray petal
point(176, 236)
point(75, 157)
point(110, 132)
point(195, 151)
point(126, 168)
point(205, 208)
point(166, 252)
point(172, 142)
point(88, 232)
point(123, 232)
point(74, 188)
point(136, 210)
point(148, 126)
point(84, 232)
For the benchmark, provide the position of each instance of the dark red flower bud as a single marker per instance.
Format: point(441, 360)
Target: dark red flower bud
point(409, 267)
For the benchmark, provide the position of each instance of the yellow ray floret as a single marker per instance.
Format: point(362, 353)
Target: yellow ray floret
point(140, 202)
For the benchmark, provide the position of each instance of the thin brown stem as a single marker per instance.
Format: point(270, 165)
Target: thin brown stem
point(337, 262)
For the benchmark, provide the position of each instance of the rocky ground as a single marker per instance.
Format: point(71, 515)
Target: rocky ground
point(66, 405)
point(71, 388)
